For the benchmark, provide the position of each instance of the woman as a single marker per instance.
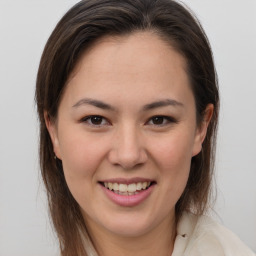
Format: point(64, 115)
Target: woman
point(128, 104)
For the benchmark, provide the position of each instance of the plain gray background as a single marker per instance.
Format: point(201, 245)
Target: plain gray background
point(25, 26)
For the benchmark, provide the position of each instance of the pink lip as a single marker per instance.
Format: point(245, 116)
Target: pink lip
point(128, 201)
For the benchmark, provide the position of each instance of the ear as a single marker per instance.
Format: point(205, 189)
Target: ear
point(201, 130)
point(52, 129)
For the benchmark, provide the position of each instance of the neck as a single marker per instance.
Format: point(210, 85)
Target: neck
point(158, 241)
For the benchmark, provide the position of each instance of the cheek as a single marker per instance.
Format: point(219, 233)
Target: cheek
point(81, 157)
point(81, 154)
point(173, 158)
point(174, 153)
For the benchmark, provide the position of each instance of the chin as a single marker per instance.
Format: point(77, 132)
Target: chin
point(131, 230)
point(130, 225)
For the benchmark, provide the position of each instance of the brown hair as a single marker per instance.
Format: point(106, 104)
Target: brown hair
point(80, 27)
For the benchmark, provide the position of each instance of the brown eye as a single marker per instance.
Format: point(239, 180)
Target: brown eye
point(161, 120)
point(158, 120)
point(95, 120)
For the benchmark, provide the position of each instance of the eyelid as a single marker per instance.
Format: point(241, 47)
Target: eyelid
point(167, 120)
point(86, 118)
point(170, 120)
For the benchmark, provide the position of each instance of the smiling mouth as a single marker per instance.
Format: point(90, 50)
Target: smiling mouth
point(127, 189)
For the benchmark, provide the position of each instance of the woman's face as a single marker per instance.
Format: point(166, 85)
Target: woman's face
point(126, 132)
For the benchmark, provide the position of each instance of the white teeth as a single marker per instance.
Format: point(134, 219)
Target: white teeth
point(115, 186)
point(132, 187)
point(139, 186)
point(124, 189)
point(144, 185)
point(110, 186)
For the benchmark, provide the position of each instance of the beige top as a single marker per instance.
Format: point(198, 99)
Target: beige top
point(202, 236)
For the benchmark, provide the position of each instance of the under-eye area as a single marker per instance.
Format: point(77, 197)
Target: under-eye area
point(128, 189)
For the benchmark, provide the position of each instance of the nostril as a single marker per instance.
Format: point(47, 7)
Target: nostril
point(128, 159)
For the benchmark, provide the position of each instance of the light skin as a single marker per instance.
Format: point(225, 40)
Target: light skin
point(128, 111)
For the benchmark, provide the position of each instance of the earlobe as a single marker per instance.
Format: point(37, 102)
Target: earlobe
point(51, 127)
point(202, 129)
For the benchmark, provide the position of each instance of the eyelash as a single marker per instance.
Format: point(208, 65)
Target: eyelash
point(88, 120)
point(166, 119)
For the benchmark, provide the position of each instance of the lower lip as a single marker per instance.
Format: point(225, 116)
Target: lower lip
point(128, 201)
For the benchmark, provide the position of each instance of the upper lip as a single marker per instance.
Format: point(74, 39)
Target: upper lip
point(127, 181)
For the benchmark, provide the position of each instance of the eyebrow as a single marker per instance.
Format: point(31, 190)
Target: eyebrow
point(93, 102)
point(163, 103)
point(105, 106)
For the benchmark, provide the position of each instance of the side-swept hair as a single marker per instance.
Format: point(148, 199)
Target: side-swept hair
point(80, 28)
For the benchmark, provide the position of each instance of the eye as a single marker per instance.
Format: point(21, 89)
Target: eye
point(161, 120)
point(95, 120)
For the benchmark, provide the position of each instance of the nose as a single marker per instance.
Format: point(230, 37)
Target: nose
point(128, 150)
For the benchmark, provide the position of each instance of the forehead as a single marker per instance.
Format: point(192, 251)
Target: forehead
point(132, 51)
point(137, 63)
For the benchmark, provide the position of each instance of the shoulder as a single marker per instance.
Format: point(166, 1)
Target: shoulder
point(203, 236)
